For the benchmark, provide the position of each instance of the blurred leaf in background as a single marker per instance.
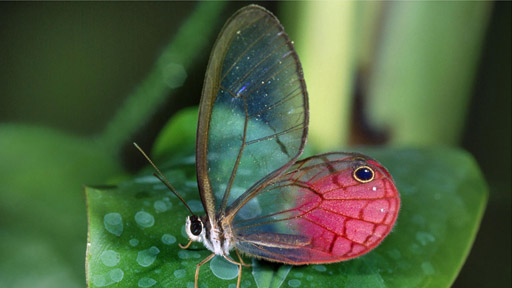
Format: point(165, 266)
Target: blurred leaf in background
point(410, 73)
point(43, 170)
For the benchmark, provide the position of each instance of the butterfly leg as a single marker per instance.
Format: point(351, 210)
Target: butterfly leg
point(239, 269)
point(186, 246)
point(199, 266)
point(241, 260)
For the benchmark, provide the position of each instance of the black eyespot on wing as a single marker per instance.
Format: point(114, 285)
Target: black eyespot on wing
point(364, 174)
point(196, 227)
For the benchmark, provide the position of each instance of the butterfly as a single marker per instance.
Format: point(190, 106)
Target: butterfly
point(258, 199)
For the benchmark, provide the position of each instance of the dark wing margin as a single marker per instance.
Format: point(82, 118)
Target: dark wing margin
point(253, 114)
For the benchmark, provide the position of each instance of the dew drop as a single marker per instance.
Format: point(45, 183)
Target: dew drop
point(424, 237)
point(294, 283)
point(162, 206)
point(144, 219)
point(145, 282)
point(320, 268)
point(223, 269)
point(427, 268)
point(168, 239)
point(100, 280)
point(133, 242)
point(185, 254)
point(180, 273)
point(110, 258)
point(147, 257)
point(113, 223)
point(116, 275)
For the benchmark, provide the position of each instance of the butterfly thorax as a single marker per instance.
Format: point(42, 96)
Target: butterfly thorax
point(212, 235)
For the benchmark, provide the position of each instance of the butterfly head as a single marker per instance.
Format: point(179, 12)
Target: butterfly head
point(195, 228)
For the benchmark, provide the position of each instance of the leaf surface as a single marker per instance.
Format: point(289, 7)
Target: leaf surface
point(443, 199)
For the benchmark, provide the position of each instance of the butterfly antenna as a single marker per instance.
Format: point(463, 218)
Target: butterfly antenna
point(162, 178)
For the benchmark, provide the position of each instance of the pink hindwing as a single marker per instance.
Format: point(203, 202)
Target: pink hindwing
point(319, 212)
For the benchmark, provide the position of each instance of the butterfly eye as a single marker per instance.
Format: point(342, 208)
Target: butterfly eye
point(196, 227)
point(363, 174)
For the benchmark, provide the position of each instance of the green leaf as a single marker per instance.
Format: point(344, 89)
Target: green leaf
point(135, 228)
point(178, 135)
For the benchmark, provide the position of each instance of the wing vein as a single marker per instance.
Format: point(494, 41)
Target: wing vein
point(237, 162)
point(350, 217)
point(273, 214)
point(275, 256)
point(275, 135)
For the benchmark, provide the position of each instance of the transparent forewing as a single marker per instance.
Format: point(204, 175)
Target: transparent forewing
point(253, 114)
point(319, 212)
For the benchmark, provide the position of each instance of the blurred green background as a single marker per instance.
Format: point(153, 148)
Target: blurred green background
point(398, 74)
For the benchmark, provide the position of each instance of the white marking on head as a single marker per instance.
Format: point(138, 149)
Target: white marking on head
point(213, 243)
point(195, 238)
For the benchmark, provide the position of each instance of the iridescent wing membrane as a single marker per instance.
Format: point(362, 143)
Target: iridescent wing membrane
point(318, 212)
point(253, 113)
